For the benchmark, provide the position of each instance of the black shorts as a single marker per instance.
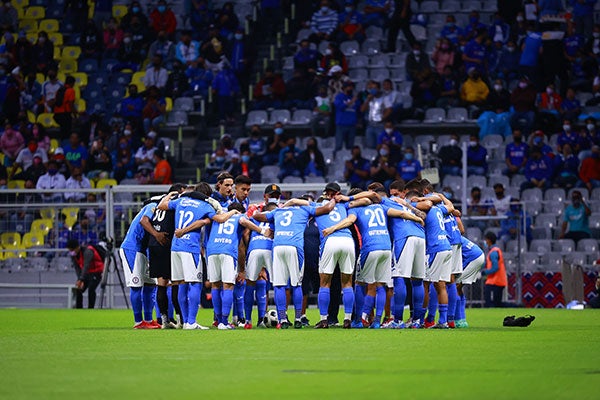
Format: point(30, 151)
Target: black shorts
point(159, 261)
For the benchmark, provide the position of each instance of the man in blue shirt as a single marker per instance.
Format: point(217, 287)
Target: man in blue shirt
point(515, 154)
point(473, 261)
point(357, 169)
point(576, 218)
point(451, 31)
point(409, 168)
point(132, 107)
point(538, 171)
point(474, 54)
point(223, 189)
point(476, 157)
point(347, 105)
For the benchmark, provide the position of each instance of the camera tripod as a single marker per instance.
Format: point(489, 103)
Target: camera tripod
point(110, 264)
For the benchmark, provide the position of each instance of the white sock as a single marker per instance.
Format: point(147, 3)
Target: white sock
point(348, 316)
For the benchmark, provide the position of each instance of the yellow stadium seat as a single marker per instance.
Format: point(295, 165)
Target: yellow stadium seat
point(40, 78)
point(20, 3)
point(30, 117)
point(28, 25)
point(16, 184)
point(57, 53)
point(32, 37)
point(168, 104)
point(56, 38)
point(68, 65)
point(81, 78)
point(119, 11)
point(20, 12)
point(48, 25)
point(35, 12)
point(10, 239)
point(71, 214)
point(48, 213)
point(54, 144)
point(61, 76)
point(92, 184)
point(71, 52)
point(32, 239)
point(47, 120)
point(41, 226)
point(102, 183)
point(77, 91)
point(80, 105)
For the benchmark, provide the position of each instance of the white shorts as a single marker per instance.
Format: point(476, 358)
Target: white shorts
point(377, 267)
point(438, 266)
point(257, 260)
point(221, 268)
point(472, 271)
point(411, 263)
point(287, 266)
point(456, 261)
point(337, 251)
point(135, 268)
point(186, 266)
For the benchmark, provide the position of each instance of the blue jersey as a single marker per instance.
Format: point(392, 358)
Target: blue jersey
point(454, 236)
point(258, 241)
point(290, 223)
point(188, 210)
point(244, 203)
point(435, 231)
point(135, 234)
point(339, 212)
point(372, 225)
point(470, 251)
point(224, 201)
point(225, 238)
point(401, 228)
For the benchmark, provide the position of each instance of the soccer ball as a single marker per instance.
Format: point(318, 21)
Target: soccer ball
point(271, 318)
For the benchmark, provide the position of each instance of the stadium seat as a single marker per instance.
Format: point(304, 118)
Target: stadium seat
point(553, 261)
point(358, 75)
point(423, 140)
point(588, 245)
point(303, 34)
point(10, 239)
point(21, 4)
point(80, 105)
point(37, 263)
point(502, 179)
point(314, 179)
point(47, 120)
point(474, 234)
point(96, 105)
point(99, 78)
point(292, 179)
point(269, 173)
point(371, 47)
point(92, 91)
point(56, 38)
point(564, 245)
point(397, 60)
point(168, 104)
point(183, 104)
point(301, 117)
point(119, 11)
point(379, 74)
point(374, 32)
point(323, 46)
point(576, 258)
point(530, 262)
point(32, 239)
point(257, 117)
point(103, 183)
point(350, 48)
point(282, 116)
point(468, 6)
point(61, 264)
point(457, 114)
point(16, 184)
point(532, 195)
point(88, 65)
point(48, 25)
point(288, 63)
point(71, 214)
point(454, 182)
point(177, 118)
point(398, 74)
point(429, 7)
point(434, 115)
point(73, 52)
point(595, 224)
point(584, 193)
point(595, 194)
point(115, 91)
point(476, 180)
point(379, 61)
point(108, 64)
point(81, 79)
point(556, 196)
point(492, 141)
point(517, 180)
point(68, 65)
point(28, 25)
point(547, 221)
point(122, 79)
point(35, 12)
point(512, 246)
point(41, 226)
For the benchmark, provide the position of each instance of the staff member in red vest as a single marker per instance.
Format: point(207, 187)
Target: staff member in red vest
point(89, 267)
point(495, 273)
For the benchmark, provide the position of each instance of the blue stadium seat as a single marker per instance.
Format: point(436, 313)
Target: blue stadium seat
point(88, 65)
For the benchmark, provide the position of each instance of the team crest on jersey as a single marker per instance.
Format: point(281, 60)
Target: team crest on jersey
point(199, 276)
point(135, 280)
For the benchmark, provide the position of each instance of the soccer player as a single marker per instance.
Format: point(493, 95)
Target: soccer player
point(160, 230)
point(222, 253)
point(241, 190)
point(272, 194)
point(135, 267)
point(288, 254)
point(455, 229)
point(186, 270)
point(473, 261)
point(223, 189)
point(259, 258)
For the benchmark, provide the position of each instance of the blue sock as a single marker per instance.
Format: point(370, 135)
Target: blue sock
point(298, 297)
point(359, 301)
point(135, 295)
point(399, 298)
point(368, 306)
point(249, 302)
point(348, 299)
point(261, 298)
point(193, 301)
point(280, 302)
point(463, 307)
point(380, 298)
point(457, 311)
point(452, 300)
point(217, 303)
point(323, 301)
point(170, 296)
point(227, 304)
point(156, 309)
point(182, 296)
point(148, 300)
point(238, 292)
point(443, 313)
point(418, 295)
point(433, 304)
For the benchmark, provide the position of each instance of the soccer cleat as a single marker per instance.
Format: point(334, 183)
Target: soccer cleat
point(261, 325)
point(461, 323)
point(215, 323)
point(400, 325)
point(248, 325)
point(224, 327)
point(365, 323)
point(152, 325)
point(440, 326)
point(387, 321)
point(429, 324)
point(347, 324)
point(168, 325)
point(356, 325)
point(416, 324)
point(451, 324)
point(322, 324)
point(389, 324)
point(375, 325)
point(305, 321)
point(283, 325)
point(297, 324)
point(140, 325)
point(178, 322)
point(194, 326)
point(240, 324)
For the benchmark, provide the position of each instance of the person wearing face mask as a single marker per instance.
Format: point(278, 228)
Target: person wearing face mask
point(474, 27)
point(474, 90)
point(549, 106)
point(130, 54)
point(52, 180)
point(451, 157)
point(575, 218)
point(500, 202)
point(538, 171)
point(162, 18)
point(187, 50)
point(89, 266)
point(242, 56)
point(474, 53)
point(391, 136)
point(311, 161)
point(508, 63)
point(132, 106)
point(522, 99)
point(499, 98)
point(26, 157)
point(515, 155)
point(590, 169)
point(476, 157)
point(416, 61)
point(135, 10)
point(494, 272)
point(477, 207)
point(275, 143)
point(566, 167)
point(409, 168)
point(49, 90)
point(375, 110)
point(91, 41)
point(269, 91)
point(383, 167)
point(113, 38)
point(41, 54)
point(164, 48)
point(156, 75)
point(323, 23)
point(77, 180)
point(177, 82)
point(451, 31)
point(289, 160)
point(306, 57)
point(567, 136)
point(332, 57)
point(350, 24)
point(347, 105)
point(357, 169)
point(443, 55)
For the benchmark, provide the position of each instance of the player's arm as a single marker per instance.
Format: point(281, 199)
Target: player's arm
point(253, 227)
point(198, 224)
point(447, 203)
point(461, 227)
point(494, 258)
point(394, 213)
point(325, 208)
point(296, 202)
point(220, 218)
point(360, 203)
point(260, 217)
point(369, 194)
point(406, 204)
point(423, 205)
point(345, 223)
point(164, 203)
point(161, 237)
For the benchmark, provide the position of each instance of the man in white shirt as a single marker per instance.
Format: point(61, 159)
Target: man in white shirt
point(52, 180)
point(376, 110)
point(156, 75)
point(77, 181)
point(49, 90)
point(144, 156)
point(25, 157)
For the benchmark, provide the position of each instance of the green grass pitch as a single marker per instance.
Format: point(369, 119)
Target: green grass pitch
point(88, 354)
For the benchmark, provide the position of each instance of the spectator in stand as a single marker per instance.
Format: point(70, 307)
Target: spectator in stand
point(178, 82)
point(499, 31)
point(140, 36)
point(25, 158)
point(187, 50)
point(275, 143)
point(425, 90)
point(571, 107)
point(593, 44)
point(132, 107)
point(573, 42)
point(162, 171)
point(34, 171)
point(64, 107)
point(337, 79)
point(376, 12)
point(130, 54)
point(566, 168)
point(500, 203)
point(499, 98)
point(269, 91)
point(583, 145)
point(530, 53)
point(41, 53)
point(49, 89)
point(476, 157)
point(332, 57)
point(311, 161)
point(391, 96)
point(38, 133)
point(250, 166)
point(523, 99)
point(399, 20)
point(9, 18)
point(226, 87)
point(474, 54)
point(321, 112)
point(509, 227)
point(566, 136)
point(391, 136)
point(347, 104)
point(538, 171)
point(156, 75)
point(357, 170)
point(123, 161)
point(590, 169)
point(11, 143)
point(475, 27)
point(230, 151)
point(213, 51)
point(242, 55)
point(200, 79)
point(448, 96)
point(350, 23)
point(256, 144)
point(298, 91)
point(52, 180)
point(61, 161)
point(576, 224)
point(409, 168)
point(376, 112)
point(100, 162)
point(113, 38)
point(201, 17)
point(77, 180)
point(451, 157)
point(323, 23)
point(549, 106)
point(227, 21)
point(32, 94)
point(76, 155)
point(416, 61)
point(583, 15)
point(162, 18)
point(451, 31)
point(154, 109)
point(383, 167)
point(516, 154)
point(537, 141)
point(443, 55)
point(164, 48)
point(144, 156)
point(508, 63)
point(135, 10)
point(306, 58)
point(474, 91)
point(288, 160)
point(477, 207)
point(91, 41)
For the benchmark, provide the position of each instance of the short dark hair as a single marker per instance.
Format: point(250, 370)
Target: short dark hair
point(376, 187)
point(242, 179)
point(69, 80)
point(412, 193)
point(398, 185)
point(236, 206)
point(415, 185)
point(177, 187)
point(203, 188)
point(491, 236)
point(270, 206)
point(72, 244)
point(354, 191)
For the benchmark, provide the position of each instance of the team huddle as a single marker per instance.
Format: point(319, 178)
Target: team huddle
point(409, 243)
